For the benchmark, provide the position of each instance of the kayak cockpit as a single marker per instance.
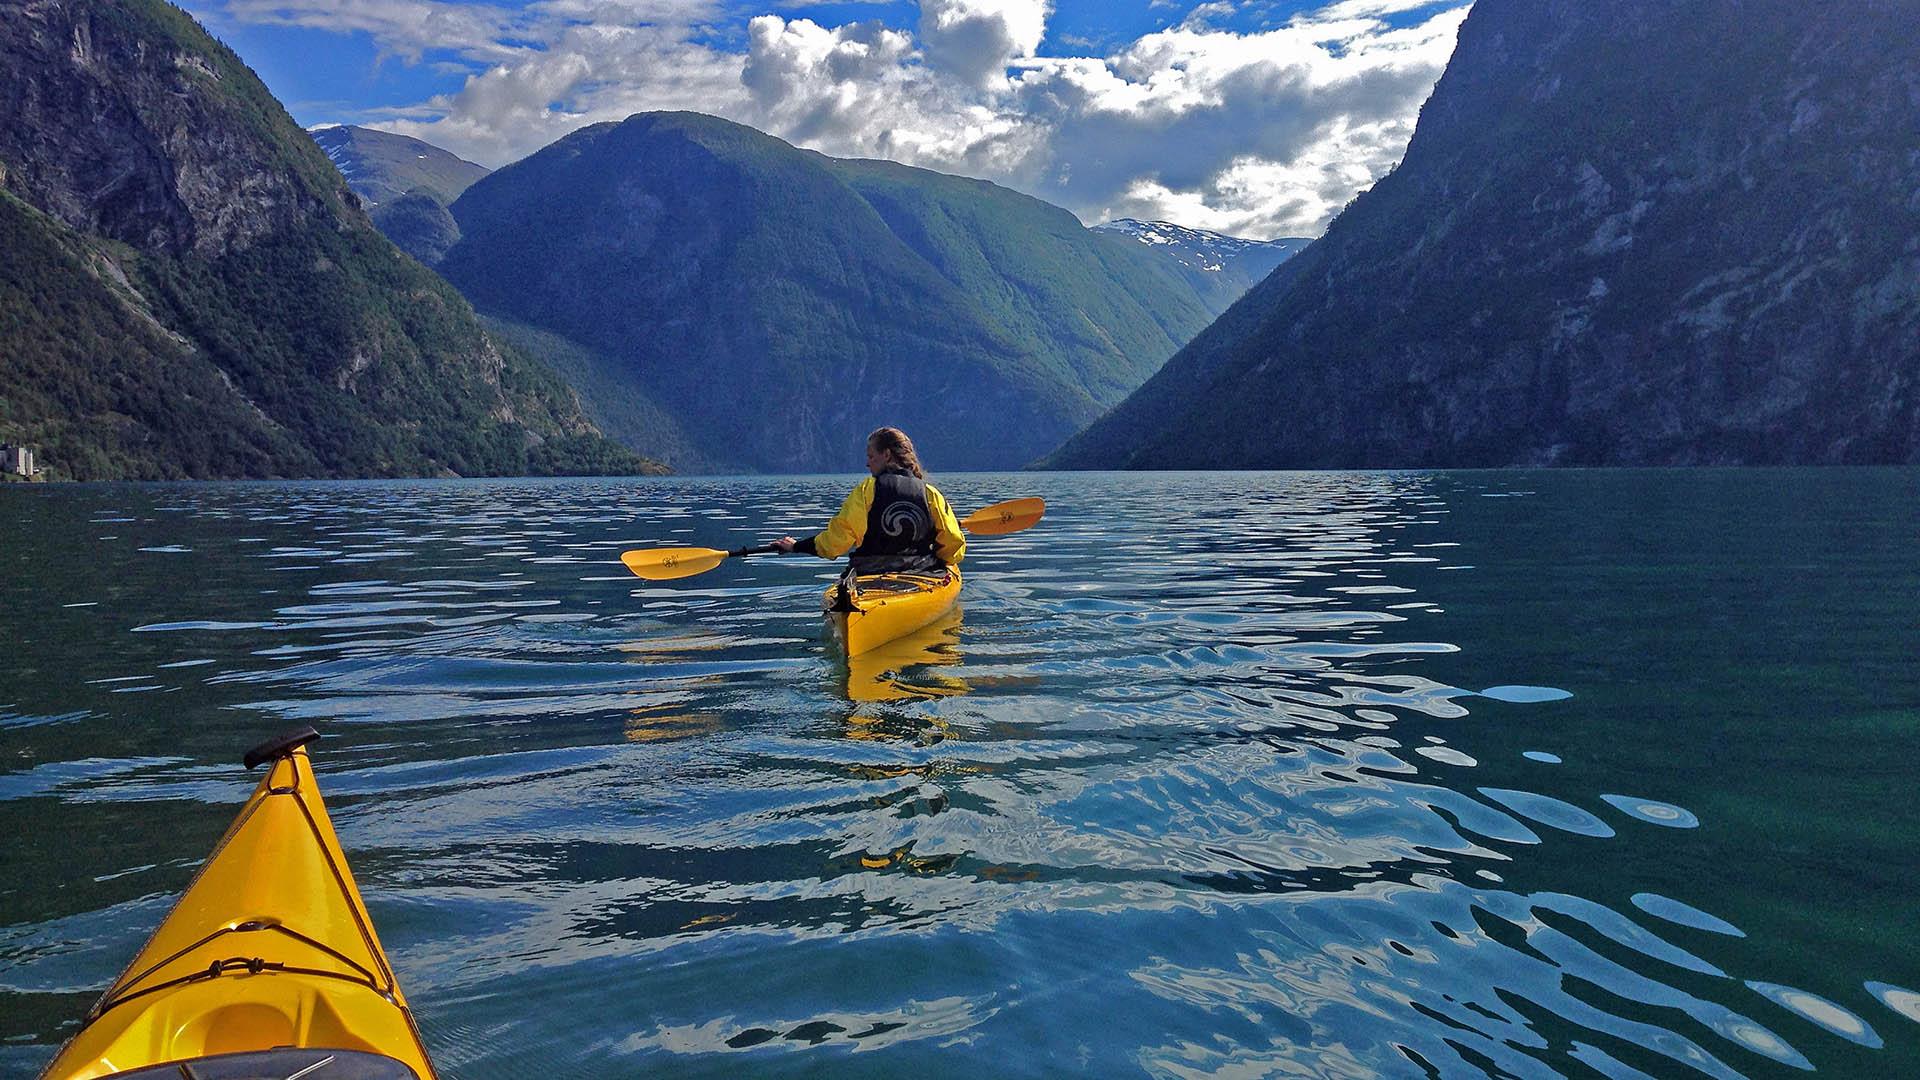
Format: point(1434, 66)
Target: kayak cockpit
point(873, 609)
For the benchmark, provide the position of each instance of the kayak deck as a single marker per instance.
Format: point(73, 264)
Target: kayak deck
point(268, 956)
point(889, 606)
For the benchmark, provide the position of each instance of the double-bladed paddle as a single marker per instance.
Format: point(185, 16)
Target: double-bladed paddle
point(665, 564)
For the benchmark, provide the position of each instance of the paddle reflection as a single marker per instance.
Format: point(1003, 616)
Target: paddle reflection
point(657, 725)
point(911, 668)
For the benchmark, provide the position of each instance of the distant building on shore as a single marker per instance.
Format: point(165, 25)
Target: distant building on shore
point(17, 461)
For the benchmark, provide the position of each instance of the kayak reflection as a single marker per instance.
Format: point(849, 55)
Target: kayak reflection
point(910, 668)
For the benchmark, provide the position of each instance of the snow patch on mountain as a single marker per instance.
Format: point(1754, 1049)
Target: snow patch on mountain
point(1200, 249)
point(337, 142)
point(381, 166)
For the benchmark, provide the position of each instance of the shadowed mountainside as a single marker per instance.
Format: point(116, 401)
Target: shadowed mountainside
point(1625, 233)
point(406, 184)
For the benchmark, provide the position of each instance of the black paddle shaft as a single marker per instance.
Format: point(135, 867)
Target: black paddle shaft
point(765, 550)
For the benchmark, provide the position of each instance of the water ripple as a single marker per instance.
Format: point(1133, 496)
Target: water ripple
point(1173, 794)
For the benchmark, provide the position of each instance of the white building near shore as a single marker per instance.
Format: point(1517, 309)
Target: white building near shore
point(17, 460)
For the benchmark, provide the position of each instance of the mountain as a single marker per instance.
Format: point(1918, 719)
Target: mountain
point(780, 304)
point(1624, 233)
point(189, 290)
point(1228, 265)
point(381, 166)
point(404, 183)
point(419, 224)
point(614, 402)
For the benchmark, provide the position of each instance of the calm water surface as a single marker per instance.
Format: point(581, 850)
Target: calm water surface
point(1528, 774)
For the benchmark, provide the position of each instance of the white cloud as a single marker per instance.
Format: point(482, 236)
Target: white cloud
point(1257, 133)
point(1368, 9)
point(1201, 15)
point(975, 40)
point(1310, 188)
point(477, 32)
point(629, 12)
point(405, 28)
point(782, 55)
point(588, 74)
point(849, 73)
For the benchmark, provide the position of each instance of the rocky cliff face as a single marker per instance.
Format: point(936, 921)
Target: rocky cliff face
point(121, 124)
point(189, 289)
point(1630, 232)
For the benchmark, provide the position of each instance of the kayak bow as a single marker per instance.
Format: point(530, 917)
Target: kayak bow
point(267, 966)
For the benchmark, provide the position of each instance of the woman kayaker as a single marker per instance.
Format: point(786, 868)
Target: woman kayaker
point(893, 521)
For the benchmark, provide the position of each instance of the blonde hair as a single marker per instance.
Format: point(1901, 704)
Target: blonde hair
point(894, 443)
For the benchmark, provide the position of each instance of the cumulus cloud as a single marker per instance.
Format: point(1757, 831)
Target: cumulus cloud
point(586, 74)
point(1263, 132)
point(1260, 133)
point(864, 91)
point(856, 61)
point(975, 40)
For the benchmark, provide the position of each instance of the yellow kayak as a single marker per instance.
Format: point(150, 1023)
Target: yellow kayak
point(913, 667)
point(883, 607)
point(267, 966)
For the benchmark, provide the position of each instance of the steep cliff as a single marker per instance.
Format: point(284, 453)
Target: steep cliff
point(190, 289)
point(1627, 232)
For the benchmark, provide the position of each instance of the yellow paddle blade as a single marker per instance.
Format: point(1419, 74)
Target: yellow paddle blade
point(664, 564)
point(1002, 518)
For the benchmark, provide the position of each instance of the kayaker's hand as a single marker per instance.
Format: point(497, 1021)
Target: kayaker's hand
point(785, 544)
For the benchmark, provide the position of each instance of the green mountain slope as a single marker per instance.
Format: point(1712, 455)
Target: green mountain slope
point(97, 388)
point(1624, 233)
point(419, 224)
point(780, 304)
point(1039, 275)
point(191, 291)
point(614, 402)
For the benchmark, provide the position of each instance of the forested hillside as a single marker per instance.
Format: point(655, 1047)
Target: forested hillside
point(779, 304)
point(190, 290)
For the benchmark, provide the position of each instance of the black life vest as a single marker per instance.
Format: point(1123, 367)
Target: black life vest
point(900, 532)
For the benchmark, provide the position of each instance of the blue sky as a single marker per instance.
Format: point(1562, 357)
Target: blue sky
point(1255, 117)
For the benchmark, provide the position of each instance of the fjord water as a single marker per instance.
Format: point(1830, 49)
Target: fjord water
point(1340, 774)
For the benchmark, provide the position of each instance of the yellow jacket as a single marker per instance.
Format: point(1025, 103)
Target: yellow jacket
point(849, 526)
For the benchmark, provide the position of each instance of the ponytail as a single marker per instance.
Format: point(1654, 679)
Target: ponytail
point(898, 449)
